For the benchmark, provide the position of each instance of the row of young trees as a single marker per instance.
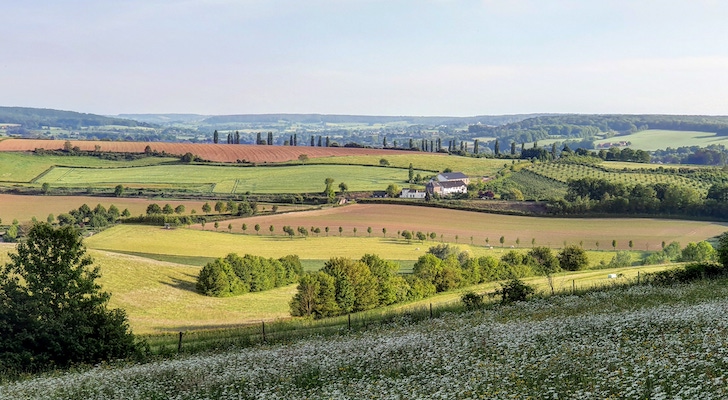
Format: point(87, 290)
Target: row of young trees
point(344, 285)
point(234, 275)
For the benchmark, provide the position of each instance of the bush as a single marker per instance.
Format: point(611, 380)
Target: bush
point(472, 300)
point(514, 290)
point(688, 273)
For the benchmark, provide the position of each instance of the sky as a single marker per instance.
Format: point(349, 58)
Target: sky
point(366, 57)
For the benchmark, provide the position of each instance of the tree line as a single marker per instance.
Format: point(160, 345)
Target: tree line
point(234, 275)
point(344, 285)
point(597, 195)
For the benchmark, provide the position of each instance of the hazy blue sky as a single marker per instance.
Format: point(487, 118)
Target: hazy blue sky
point(436, 57)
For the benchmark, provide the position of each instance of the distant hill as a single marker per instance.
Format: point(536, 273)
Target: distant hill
point(36, 118)
point(587, 126)
point(365, 119)
point(163, 119)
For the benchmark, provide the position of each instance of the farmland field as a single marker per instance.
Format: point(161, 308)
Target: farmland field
point(222, 179)
point(645, 233)
point(211, 152)
point(655, 139)
point(429, 161)
point(563, 172)
point(24, 208)
point(24, 167)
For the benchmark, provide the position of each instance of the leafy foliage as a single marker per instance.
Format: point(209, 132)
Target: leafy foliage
point(52, 312)
point(233, 275)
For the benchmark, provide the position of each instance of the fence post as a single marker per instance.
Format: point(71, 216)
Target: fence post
point(638, 277)
point(349, 322)
point(430, 310)
point(263, 331)
point(179, 343)
point(573, 286)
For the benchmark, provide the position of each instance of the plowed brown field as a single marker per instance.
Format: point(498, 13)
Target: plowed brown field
point(211, 152)
point(646, 234)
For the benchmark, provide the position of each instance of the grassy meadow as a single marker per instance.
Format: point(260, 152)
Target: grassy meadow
point(221, 179)
point(638, 342)
point(427, 161)
point(656, 139)
point(24, 167)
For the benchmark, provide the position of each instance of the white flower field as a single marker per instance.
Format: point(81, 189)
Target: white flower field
point(634, 343)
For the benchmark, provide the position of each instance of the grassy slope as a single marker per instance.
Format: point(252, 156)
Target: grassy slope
point(23, 167)
point(294, 179)
point(467, 165)
point(160, 296)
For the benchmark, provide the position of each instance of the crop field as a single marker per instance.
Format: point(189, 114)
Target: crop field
point(24, 208)
point(211, 152)
point(535, 186)
point(427, 161)
point(24, 167)
point(655, 139)
point(222, 179)
point(563, 172)
point(646, 234)
point(629, 343)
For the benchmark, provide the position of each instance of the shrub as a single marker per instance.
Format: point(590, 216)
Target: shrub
point(472, 300)
point(514, 290)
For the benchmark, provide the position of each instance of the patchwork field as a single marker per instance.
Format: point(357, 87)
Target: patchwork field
point(24, 167)
point(221, 179)
point(211, 152)
point(429, 161)
point(646, 234)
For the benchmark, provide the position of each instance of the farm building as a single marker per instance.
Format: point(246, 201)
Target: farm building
point(446, 188)
point(453, 177)
point(413, 194)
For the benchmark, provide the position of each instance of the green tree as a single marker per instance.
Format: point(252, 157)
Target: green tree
point(51, 219)
point(383, 162)
point(384, 232)
point(723, 249)
point(393, 190)
point(167, 209)
point(327, 231)
point(154, 209)
point(206, 208)
point(230, 228)
point(257, 228)
point(180, 209)
point(573, 258)
point(52, 310)
point(217, 225)
point(343, 188)
point(126, 213)
point(354, 231)
point(697, 252)
point(220, 207)
point(545, 263)
point(329, 189)
point(271, 229)
point(614, 244)
point(341, 230)
point(502, 240)
point(45, 187)
point(369, 231)
point(411, 174)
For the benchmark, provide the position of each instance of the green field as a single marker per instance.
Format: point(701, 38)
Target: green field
point(24, 167)
point(655, 139)
point(435, 162)
point(221, 179)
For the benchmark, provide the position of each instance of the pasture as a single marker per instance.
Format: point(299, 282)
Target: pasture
point(227, 179)
point(24, 167)
point(656, 139)
point(427, 161)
